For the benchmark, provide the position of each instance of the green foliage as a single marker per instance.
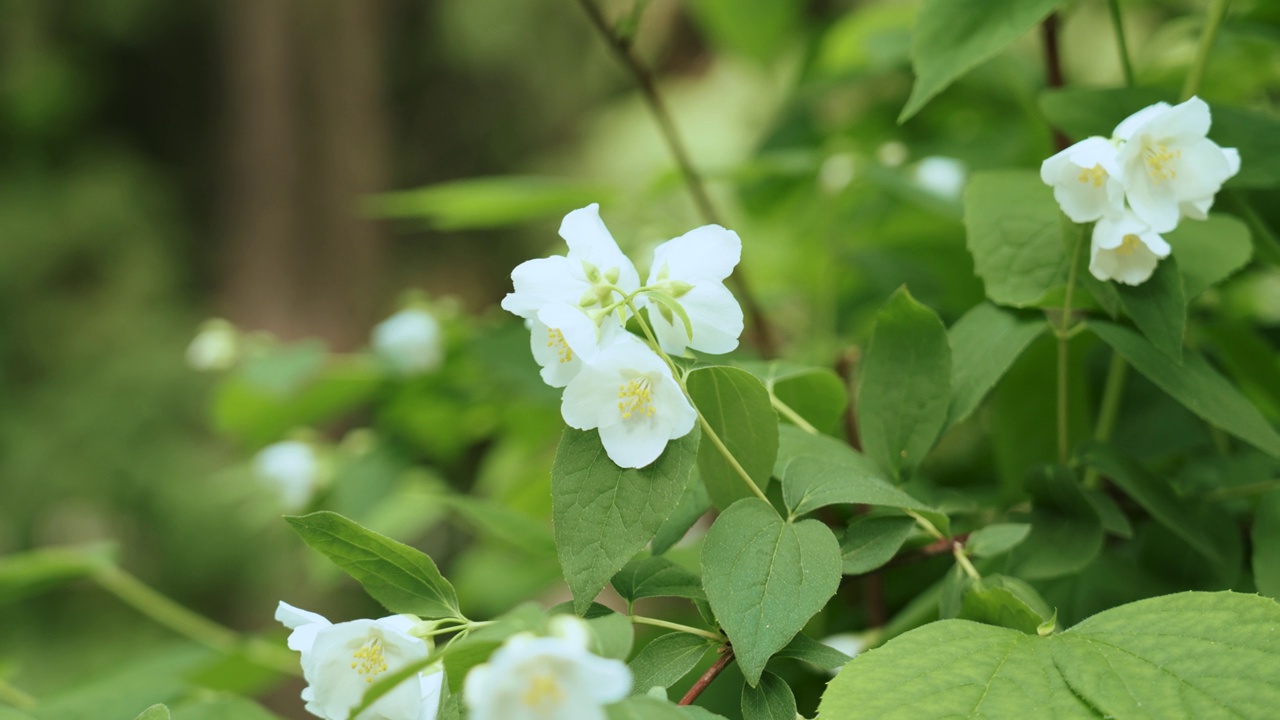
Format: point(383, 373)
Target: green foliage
point(772, 699)
point(1266, 545)
point(809, 483)
point(803, 647)
point(27, 573)
point(905, 385)
point(1159, 308)
point(984, 342)
point(665, 660)
point(155, 712)
point(1016, 236)
point(1066, 533)
point(996, 539)
point(486, 202)
point(737, 408)
point(605, 514)
point(403, 579)
point(656, 577)
point(765, 577)
point(1209, 252)
point(872, 542)
point(1000, 672)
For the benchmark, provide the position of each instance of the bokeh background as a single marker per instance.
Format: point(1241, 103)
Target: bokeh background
point(163, 162)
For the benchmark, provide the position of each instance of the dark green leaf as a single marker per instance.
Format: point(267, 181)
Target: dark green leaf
point(1209, 251)
point(1266, 545)
point(603, 514)
point(640, 707)
point(1014, 232)
point(996, 539)
point(1066, 533)
point(803, 647)
point(656, 577)
point(694, 503)
point(770, 700)
point(402, 578)
point(905, 384)
point(1159, 308)
point(736, 405)
point(1006, 602)
point(665, 660)
point(1196, 385)
point(765, 578)
point(810, 482)
point(872, 542)
point(984, 343)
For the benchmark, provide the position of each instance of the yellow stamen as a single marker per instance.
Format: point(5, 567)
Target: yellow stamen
point(1129, 245)
point(1095, 175)
point(370, 660)
point(1160, 163)
point(635, 397)
point(543, 692)
point(555, 337)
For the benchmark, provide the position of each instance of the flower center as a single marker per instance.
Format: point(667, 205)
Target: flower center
point(543, 692)
point(1129, 245)
point(635, 397)
point(1159, 161)
point(1095, 175)
point(370, 660)
point(556, 338)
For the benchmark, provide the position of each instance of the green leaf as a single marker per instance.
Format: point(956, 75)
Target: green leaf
point(640, 707)
point(810, 482)
point(1005, 602)
point(1209, 251)
point(1066, 533)
point(126, 688)
point(766, 577)
point(1159, 308)
point(1190, 655)
point(1266, 545)
point(155, 712)
point(258, 416)
point(603, 514)
point(871, 542)
point(905, 384)
point(222, 707)
point(666, 660)
point(984, 343)
point(612, 634)
point(694, 503)
point(996, 539)
point(1081, 113)
point(735, 405)
point(1014, 232)
point(656, 577)
point(486, 202)
point(770, 700)
point(402, 578)
point(1207, 528)
point(1196, 385)
point(26, 573)
point(816, 394)
point(758, 29)
point(802, 647)
point(500, 522)
point(951, 38)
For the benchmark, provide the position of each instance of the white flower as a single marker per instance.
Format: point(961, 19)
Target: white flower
point(941, 176)
point(546, 678)
point(1170, 168)
point(1125, 249)
point(341, 661)
point(215, 347)
point(562, 337)
point(850, 644)
point(692, 269)
point(1085, 179)
point(292, 469)
point(582, 278)
point(410, 341)
point(628, 392)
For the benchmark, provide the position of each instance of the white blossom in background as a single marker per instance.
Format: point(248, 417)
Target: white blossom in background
point(629, 393)
point(546, 678)
point(583, 278)
point(1125, 249)
point(941, 176)
point(216, 346)
point(692, 269)
point(1170, 167)
point(410, 341)
point(851, 644)
point(562, 337)
point(291, 469)
point(1086, 179)
point(340, 661)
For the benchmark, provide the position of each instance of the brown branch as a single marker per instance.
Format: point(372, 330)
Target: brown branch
point(847, 369)
point(720, 664)
point(1053, 69)
point(760, 330)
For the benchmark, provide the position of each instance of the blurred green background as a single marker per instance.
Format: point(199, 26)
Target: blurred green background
point(163, 162)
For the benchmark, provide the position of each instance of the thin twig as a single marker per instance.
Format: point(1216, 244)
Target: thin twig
point(1213, 22)
point(1122, 45)
point(1053, 69)
point(762, 331)
point(720, 664)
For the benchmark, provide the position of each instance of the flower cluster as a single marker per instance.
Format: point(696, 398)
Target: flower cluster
point(1157, 168)
point(577, 307)
point(340, 661)
point(540, 678)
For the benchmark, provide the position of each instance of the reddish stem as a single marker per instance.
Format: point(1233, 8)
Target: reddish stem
point(1053, 69)
point(708, 676)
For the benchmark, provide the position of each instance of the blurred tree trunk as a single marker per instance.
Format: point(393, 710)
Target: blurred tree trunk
point(307, 141)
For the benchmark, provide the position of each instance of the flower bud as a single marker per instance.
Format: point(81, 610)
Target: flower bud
point(410, 341)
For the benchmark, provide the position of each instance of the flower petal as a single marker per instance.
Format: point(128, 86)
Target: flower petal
point(1189, 119)
point(708, 253)
point(1131, 124)
point(716, 318)
point(543, 281)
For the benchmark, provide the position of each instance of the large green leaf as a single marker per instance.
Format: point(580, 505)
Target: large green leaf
point(765, 577)
point(604, 514)
point(905, 384)
point(1196, 385)
point(656, 577)
point(772, 699)
point(951, 38)
point(809, 483)
point(1159, 308)
point(665, 660)
point(1191, 655)
point(1266, 545)
point(735, 405)
point(1209, 251)
point(485, 202)
point(872, 542)
point(1005, 602)
point(694, 503)
point(984, 343)
point(1014, 231)
point(402, 578)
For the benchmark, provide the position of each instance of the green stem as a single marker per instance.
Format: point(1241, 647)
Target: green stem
point(1064, 352)
point(926, 525)
point(1122, 45)
point(146, 600)
point(1111, 393)
point(962, 560)
point(1213, 22)
point(14, 697)
point(786, 412)
point(642, 620)
point(1249, 490)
